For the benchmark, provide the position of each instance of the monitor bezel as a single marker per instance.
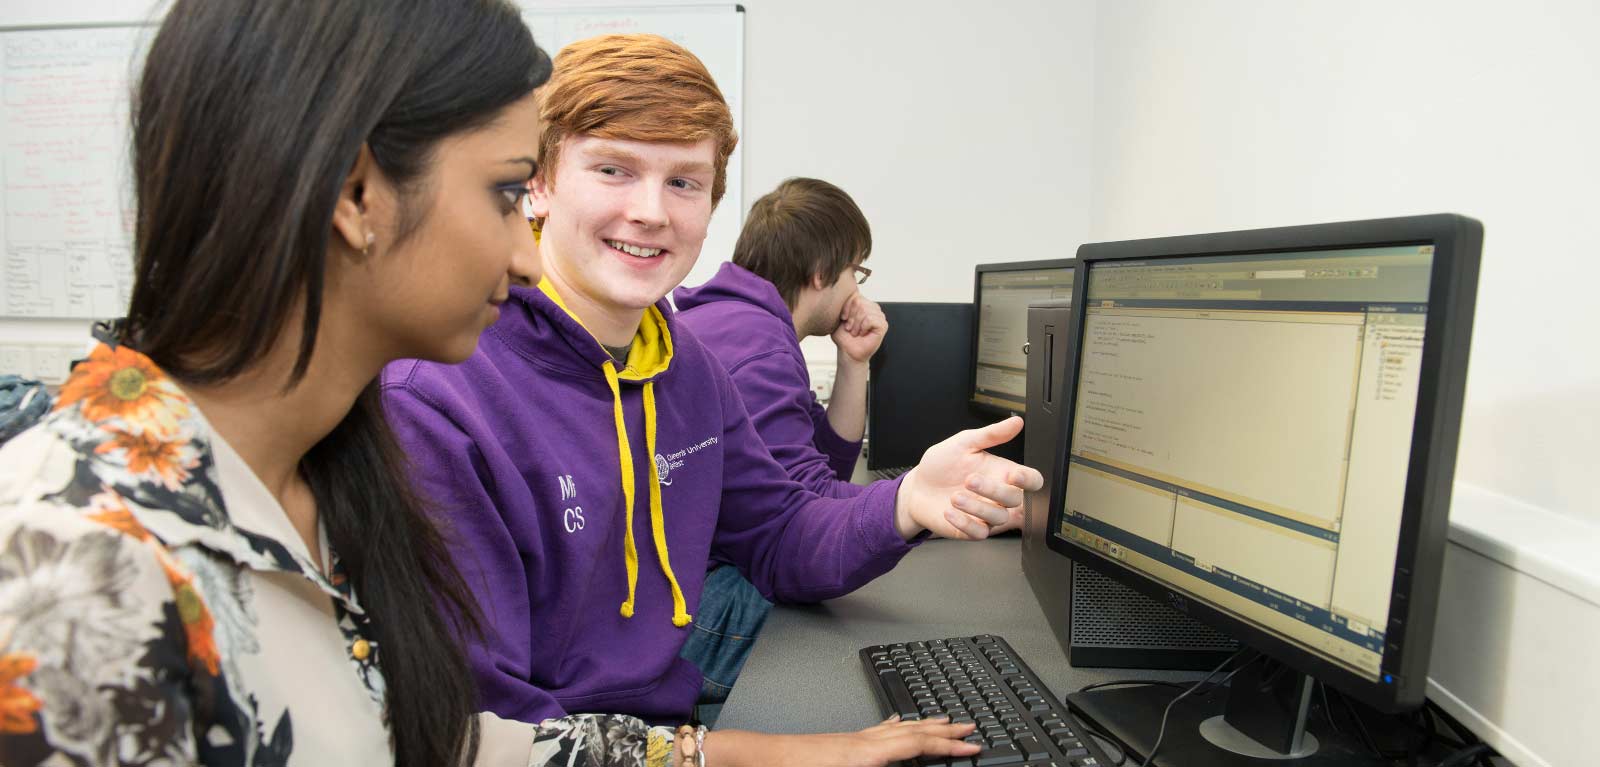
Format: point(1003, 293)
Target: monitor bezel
point(1424, 526)
point(988, 408)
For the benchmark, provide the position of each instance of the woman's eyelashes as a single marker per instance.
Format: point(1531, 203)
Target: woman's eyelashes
point(511, 194)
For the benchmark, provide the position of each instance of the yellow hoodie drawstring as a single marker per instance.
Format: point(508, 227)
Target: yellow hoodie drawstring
point(630, 553)
point(658, 525)
point(630, 556)
point(653, 344)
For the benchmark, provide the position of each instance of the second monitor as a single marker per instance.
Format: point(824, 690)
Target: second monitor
point(998, 383)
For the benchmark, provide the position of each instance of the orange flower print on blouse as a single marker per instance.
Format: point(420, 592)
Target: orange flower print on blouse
point(120, 383)
point(113, 512)
point(198, 625)
point(149, 455)
point(17, 706)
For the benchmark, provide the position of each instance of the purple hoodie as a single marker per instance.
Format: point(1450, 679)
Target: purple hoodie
point(518, 448)
point(743, 320)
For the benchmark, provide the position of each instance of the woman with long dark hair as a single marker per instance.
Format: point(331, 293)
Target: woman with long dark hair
point(209, 552)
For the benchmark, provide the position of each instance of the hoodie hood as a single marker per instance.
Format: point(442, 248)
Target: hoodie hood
point(735, 283)
point(565, 346)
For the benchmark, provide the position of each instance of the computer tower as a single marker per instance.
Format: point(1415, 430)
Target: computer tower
point(917, 384)
point(1097, 620)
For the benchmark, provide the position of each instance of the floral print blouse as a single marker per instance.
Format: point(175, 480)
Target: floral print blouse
point(157, 607)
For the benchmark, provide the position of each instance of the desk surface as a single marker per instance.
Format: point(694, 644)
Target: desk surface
point(803, 675)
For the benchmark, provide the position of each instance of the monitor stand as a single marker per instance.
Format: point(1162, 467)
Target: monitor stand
point(1255, 721)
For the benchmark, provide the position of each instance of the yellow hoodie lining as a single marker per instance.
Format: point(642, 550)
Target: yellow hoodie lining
point(648, 356)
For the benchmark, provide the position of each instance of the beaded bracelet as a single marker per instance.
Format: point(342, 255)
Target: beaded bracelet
point(696, 734)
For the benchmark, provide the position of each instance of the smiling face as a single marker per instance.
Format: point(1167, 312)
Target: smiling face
point(431, 294)
point(624, 222)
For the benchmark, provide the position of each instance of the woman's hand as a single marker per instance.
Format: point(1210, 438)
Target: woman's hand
point(876, 746)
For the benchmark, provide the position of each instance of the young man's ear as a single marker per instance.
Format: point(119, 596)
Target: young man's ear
point(819, 281)
point(352, 224)
point(539, 196)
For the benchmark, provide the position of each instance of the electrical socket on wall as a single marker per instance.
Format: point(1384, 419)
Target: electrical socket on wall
point(821, 380)
point(48, 363)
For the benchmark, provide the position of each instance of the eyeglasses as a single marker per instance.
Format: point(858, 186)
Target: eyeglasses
point(862, 273)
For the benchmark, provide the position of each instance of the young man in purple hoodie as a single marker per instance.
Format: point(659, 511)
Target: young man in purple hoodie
point(794, 274)
point(592, 458)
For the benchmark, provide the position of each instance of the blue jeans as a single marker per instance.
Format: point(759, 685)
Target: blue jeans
point(725, 628)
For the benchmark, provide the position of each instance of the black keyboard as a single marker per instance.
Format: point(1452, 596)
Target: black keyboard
point(980, 679)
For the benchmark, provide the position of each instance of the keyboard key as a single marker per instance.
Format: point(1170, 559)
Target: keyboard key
point(1031, 748)
point(900, 701)
point(998, 755)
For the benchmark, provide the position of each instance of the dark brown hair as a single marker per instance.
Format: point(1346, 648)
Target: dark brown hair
point(246, 122)
point(804, 228)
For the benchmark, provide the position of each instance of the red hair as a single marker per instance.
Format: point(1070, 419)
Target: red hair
point(634, 88)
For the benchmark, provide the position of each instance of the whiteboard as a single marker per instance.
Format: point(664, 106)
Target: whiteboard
point(65, 181)
point(66, 200)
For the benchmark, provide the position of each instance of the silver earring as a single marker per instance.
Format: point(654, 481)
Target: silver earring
point(371, 238)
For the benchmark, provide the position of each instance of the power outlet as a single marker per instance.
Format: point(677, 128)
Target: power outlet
point(821, 380)
point(43, 362)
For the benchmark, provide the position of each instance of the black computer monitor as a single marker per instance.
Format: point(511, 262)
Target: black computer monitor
point(916, 386)
point(997, 383)
point(1260, 430)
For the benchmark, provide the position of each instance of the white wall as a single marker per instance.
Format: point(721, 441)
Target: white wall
point(1230, 114)
point(960, 128)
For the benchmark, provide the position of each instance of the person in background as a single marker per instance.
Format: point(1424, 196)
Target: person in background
point(793, 276)
point(595, 458)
